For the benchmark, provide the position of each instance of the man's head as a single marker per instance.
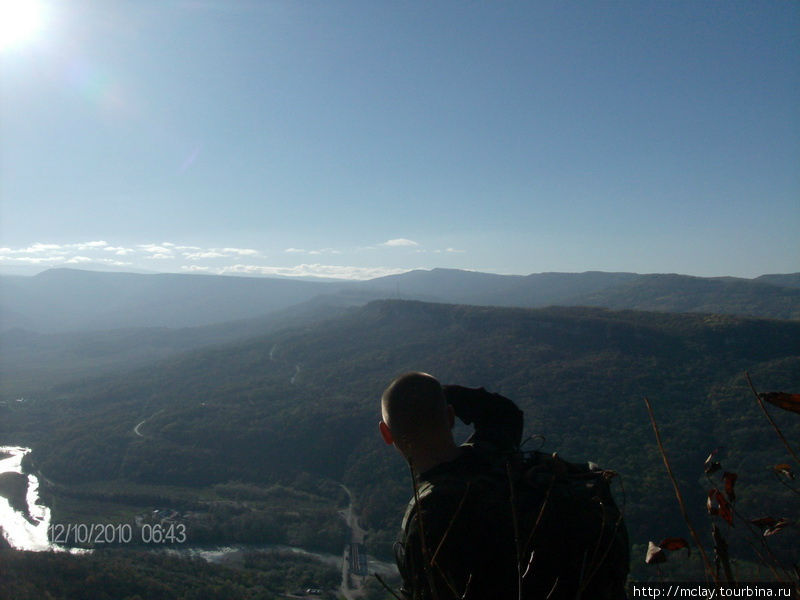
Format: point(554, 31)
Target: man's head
point(416, 417)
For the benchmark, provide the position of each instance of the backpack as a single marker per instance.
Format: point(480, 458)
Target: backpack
point(562, 536)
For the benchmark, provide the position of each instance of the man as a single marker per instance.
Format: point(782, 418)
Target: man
point(475, 529)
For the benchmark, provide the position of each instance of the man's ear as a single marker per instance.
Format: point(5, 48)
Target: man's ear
point(386, 433)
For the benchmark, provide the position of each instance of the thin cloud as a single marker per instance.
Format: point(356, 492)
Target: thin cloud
point(59, 259)
point(201, 255)
point(312, 270)
point(240, 251)
point(119, 250)
point(399, 243)
point(220, 253)
point(89, 245)
point(38, 248)
point(161, 249)
point(195, 268)
point(313, 252)
point(28, 260)
point(198, 259)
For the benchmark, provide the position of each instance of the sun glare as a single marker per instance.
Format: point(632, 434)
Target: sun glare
point(20, 21)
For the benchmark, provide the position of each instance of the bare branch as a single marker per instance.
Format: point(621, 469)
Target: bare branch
point(515, 522)
point(695, 537)
point(386, 587)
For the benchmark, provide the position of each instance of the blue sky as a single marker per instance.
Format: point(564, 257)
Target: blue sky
point(354, 139)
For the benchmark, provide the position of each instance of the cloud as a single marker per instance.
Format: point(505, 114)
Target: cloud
point(89, 245)
point(195, 268)
point(220, 253)
point(227, 260)
point(119, 250)
point(312, 270)
point(399, 243)
point(27, 260)
point(39, 248)
point(200, 255)
point(118, 263)
point(313, 252)
point(240, 251)
point(55, 260)
point(164, 248)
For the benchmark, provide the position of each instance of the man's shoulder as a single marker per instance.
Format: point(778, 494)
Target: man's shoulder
point(455, 484)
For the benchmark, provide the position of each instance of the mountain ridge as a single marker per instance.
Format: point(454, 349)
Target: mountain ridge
point(61, 300)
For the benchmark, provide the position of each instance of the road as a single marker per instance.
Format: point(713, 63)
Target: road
point(137, 430)
point(356, 537)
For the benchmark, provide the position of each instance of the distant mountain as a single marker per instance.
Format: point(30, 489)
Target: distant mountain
point(774, 297)
point(62, 300)
point(471, 287)
point(789, 280)
point(305, 401)
point(69, 300)
point(681, 293)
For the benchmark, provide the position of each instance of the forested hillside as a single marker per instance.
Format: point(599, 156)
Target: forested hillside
point(305, 401)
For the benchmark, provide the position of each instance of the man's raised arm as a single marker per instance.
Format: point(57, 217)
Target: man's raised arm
point(497, 419)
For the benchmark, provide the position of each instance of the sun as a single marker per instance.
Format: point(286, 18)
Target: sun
point(20, 22)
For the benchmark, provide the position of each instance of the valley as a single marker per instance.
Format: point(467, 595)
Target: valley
point(247, 440)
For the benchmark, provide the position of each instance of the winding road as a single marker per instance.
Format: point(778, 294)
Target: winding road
point(137, 430)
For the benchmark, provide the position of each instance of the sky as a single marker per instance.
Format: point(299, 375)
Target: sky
point(355, 139)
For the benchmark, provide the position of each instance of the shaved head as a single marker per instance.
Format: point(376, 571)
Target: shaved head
point(414, 408)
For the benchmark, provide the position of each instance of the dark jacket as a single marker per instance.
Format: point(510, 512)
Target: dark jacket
point(462, 539)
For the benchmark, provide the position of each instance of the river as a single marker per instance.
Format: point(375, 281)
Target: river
point(27, 529)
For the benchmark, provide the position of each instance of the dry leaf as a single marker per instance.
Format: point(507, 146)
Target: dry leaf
point(674, 543)
point(711, 465)
point(655, 555)
point(771, 525)
point(784, 469)
point(790, 402)
point(723, 508)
